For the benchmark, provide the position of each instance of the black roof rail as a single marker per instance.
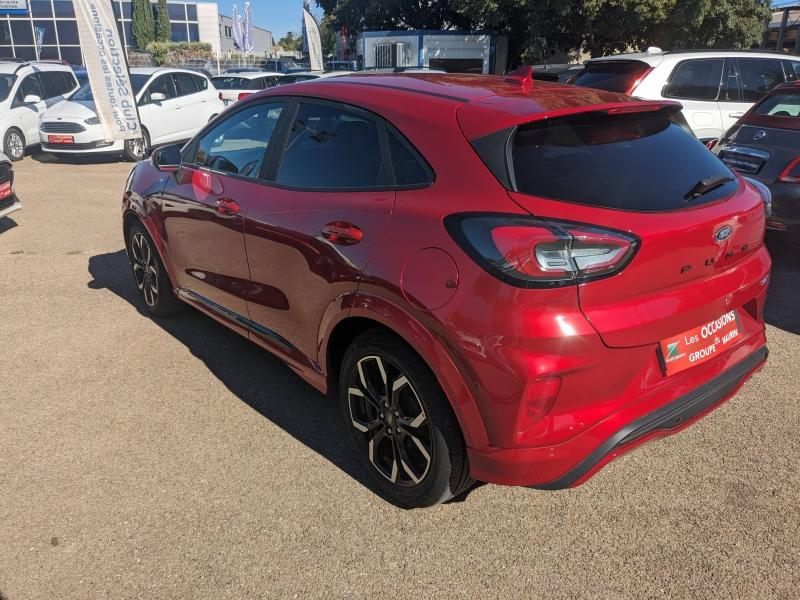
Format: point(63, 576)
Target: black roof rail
point(744, 50)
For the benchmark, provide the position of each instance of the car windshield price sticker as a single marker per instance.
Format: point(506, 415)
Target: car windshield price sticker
point(701, 344)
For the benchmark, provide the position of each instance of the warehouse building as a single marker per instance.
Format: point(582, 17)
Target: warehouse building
point(53, 21)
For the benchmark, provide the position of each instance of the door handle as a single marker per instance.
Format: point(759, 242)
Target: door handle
point(342, 233)
point(736, 115)
point(226, 206)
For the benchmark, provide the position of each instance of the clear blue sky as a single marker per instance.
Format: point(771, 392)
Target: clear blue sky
point(277, 16)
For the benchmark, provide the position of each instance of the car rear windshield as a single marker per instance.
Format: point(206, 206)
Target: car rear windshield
point(612, 76)
point(639, 161)
point(779, 105)
point(230, 83)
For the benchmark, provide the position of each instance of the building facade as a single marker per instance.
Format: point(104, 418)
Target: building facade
point(54, 21)
point(262, 39)
point(452, 51)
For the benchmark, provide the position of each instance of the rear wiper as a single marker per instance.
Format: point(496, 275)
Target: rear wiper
point(704, 186)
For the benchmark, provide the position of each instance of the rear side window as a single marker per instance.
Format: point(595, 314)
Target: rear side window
point(410, 169)
point(639, 162)
point(331, 148)
point(695, 80)
point(780, 105)
point(757, 76)
point(613, 75)
point(201, 82)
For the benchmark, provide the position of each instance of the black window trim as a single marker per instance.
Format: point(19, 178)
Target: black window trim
point(688, 60)
point(269, 167)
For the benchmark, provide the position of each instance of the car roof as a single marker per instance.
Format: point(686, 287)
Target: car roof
point(654, 56)
point(485, 103)
point(250, 74)
point(153, 70)
point(11, 67)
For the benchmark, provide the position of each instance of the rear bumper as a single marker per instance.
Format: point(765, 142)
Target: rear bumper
point(574, 461)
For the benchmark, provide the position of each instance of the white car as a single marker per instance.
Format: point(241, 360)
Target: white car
point(26, 91)
point(300, 76)
point(715, 87)
point(174, 104)
point(235, 86)
point(8, 200)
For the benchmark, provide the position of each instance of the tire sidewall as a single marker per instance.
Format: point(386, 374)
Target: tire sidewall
point(129, 156)
point(437, 485)
point(166, 303)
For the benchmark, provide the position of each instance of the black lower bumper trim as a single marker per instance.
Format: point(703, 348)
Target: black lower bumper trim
point(666, 418)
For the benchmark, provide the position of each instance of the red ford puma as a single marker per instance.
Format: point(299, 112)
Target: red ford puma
point(501, 280)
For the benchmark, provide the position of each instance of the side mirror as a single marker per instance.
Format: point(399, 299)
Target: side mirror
point(157, 97)
point(167, 158)
point(31, 99)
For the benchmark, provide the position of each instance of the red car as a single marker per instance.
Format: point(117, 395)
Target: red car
point(501, 280)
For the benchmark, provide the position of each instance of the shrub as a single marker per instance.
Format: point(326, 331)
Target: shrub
point(174, 53)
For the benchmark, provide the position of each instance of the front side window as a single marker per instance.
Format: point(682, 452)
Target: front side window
point(238, 144)
point(758, 76)
point(331, 148)
point(696, 80)
point(29, 86)
point(162, 85)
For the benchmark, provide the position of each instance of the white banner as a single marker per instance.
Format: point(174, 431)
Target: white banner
point(114, 100)
point(247, 30)
point(236, 28)
point(313, 41)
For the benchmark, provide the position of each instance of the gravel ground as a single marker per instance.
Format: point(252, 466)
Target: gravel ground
point(173, 459)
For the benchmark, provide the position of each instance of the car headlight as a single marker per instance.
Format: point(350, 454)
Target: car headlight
point(764, 192)
point(92, 121)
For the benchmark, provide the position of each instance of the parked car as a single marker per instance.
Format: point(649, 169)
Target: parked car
point(300, 76)
point(240, 85)
point(278, 65)
point(715, 87)
point(8, 199)
point(765, 145)
point(173, 105)
point(559, 73)
point(233, 70)
point(341, 65)
point(26, 90)
point(497, 284)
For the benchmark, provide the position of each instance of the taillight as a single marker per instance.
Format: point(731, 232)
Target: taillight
point(531, 252)
point(791, 174)
point(710, 144)
point(243, 95)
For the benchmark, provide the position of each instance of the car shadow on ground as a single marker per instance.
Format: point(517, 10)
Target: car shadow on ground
point(782, 309)
point(255, 376)
point(6, 224)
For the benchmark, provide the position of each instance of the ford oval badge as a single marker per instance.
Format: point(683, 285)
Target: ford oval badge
point(723, 233)
point(759, 135)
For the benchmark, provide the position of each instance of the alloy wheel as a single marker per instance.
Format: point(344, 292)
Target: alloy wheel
point(386, 410)
point(16, 147)
point(137, 147)
point(145, 270)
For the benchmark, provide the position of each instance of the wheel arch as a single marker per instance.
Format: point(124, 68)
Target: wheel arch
point(379, 313)
point(131, 216)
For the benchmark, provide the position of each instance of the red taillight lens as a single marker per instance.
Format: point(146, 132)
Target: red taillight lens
point(243, 95)
point(710, 144)
point(791, 174)
point(529, 252)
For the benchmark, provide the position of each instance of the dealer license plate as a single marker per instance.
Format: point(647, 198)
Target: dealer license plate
point(5, 189)
point(701, 343)
point(61, 139)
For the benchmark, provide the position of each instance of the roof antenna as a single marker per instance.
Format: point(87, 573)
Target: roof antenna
point(522, 76)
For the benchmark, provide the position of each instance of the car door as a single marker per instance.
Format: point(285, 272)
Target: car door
point(203, 207)
point(160, 117)
point(695, 83)
point(191, 107)
point(27, 114)
point(311, 233)
point(747, 79)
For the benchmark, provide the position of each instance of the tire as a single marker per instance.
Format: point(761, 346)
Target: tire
point(413, 450)
point(149, 275)
point(138, 149)
point(14, 144)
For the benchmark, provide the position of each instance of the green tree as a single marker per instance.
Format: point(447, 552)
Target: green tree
point(143, 24)
point(291, 41)
point(163, 30)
